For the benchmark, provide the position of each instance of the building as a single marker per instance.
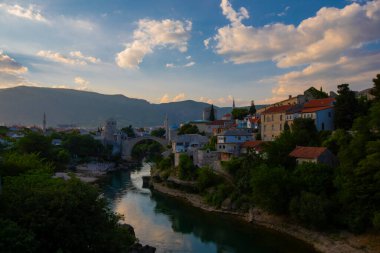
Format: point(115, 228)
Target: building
point(202, 158)
point(254, 123)
point(300, 99)
point(273, 121)
point(229, 142)
point(367, 93)
point(293, 113)
point(314, 155)
point(188, 142)
point(321, 111)
point(252, 147)
point(219, 126)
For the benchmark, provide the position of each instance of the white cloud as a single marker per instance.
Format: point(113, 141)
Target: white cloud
point(179, 97)
point(79, 55)
point(151, 34)
point(206, 42)
point(74, 58)
point(357, 70)
point(225, 101)
point(10, 66)
point(190, 64)
point(325, 36)
point(232, 15)
point(188, 57)
point(83, 83)
point(166, 99)
point(31, 13)
point(170, 65)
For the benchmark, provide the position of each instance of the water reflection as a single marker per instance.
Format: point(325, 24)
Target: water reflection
point(173, 226)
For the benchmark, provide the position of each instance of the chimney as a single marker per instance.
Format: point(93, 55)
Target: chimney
point(290, 96)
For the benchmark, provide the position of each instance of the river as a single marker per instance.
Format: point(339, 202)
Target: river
point(172, 225)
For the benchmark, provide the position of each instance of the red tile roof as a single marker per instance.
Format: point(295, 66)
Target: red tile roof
point(255, 120)
point(219, 122)
point(257, 145)
point(277, 109)
point(315, 109)
point(307, 152)
point(319, 102)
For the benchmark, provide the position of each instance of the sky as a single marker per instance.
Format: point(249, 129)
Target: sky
point(204, 50)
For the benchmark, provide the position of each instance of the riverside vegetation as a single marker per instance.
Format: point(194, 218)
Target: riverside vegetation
point(313, 195)
point(39, 213)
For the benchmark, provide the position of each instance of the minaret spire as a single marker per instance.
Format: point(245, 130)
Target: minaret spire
point(233, 103)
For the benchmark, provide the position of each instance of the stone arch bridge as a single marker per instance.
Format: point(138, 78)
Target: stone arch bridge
point(127, 145)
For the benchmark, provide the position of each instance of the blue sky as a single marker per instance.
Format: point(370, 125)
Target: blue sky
point(205, 50)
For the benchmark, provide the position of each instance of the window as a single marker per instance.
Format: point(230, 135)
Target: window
point(280, 127)
point(272, 117)
point(323, 126)
point(272, 127)
point(265, 128)
point(329, 114)
point(280, 117)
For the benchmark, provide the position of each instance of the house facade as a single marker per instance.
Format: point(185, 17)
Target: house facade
point(314, 155)
point(230, 141)
point(273, 122)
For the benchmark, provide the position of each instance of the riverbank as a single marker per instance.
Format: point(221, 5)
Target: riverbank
point(327, 243)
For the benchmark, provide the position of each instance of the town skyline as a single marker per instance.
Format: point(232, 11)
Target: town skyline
point(194, 51)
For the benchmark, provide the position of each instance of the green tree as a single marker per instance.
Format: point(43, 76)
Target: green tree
point(312, 210)
point(346, 107)
point(270, 188)
point(376, 88)
point(188, 129)
point(65, 216)
point(129, 131)
point(252, 108)
point(160, 132)
point(83, 146)
point(212, 113)
point(186, 169)
point(14, 164)
point(239, 113)
point(35, 143)
point(304, 132)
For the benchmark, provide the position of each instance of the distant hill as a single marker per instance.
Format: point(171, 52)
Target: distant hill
point(25, 105)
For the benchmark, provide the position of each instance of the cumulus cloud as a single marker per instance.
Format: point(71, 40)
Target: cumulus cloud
point(322, 37)
point(74, 58)
point(187, 65)
point(10, 66)
point(151, 34)
point(166, 99)
point(11, 71)
point(30, 13)
point(83, 83)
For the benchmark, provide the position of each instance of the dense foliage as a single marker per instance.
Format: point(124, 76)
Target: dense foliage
point(239, 113)
point(39, 213)
point(148, 149)
point(159, 132)
point(129, 131)
point(188, 129)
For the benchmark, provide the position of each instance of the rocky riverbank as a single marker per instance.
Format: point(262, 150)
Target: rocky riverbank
point(327, 243)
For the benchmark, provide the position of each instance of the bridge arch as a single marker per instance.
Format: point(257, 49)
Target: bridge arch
point(127, 145)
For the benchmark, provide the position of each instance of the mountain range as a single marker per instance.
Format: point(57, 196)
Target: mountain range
point(25, 105)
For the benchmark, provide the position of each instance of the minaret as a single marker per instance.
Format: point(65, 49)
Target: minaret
point(44, 124)
point(166, 125)
point(233, 103)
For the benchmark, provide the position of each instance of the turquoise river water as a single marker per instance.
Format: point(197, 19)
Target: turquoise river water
point(171, 225)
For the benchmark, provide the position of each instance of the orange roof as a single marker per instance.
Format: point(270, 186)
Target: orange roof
point(257, 145)
point(319, 102)
point(277, 109)
point(307, 152)
point(315, 109)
